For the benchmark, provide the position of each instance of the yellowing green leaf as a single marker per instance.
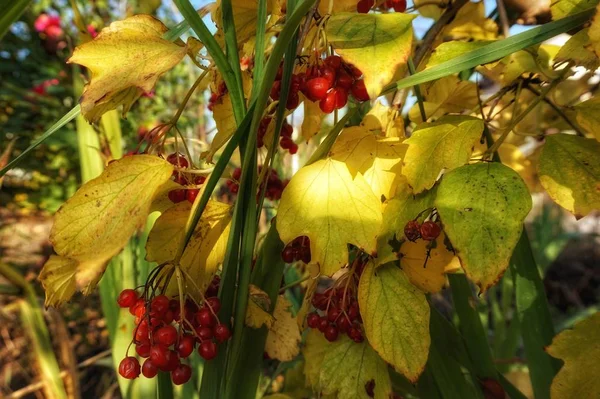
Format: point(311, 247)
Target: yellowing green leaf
point(470, 23)
point(395, 316)
point(283, 339)
point(430, 9)
point(482, 207)
point(576, 50)
point(337, 6)
point(579, 348)
point(245, 17)
point(206, 249)
point(523, 62)
point(345, 369)
point(377, 158)
point(378, 44)
point(564, 8)
point(588, 116)
point(313, 117)
point(96, 223)
point(513, 157)
point(442, 145)
point(324, 202)
point(569, 170)
point(257, 313)
point(444, 96)
point(449, 50)
point(125, 60)
point(384, 119)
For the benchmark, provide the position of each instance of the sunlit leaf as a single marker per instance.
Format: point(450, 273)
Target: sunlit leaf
point(257, 313)
point(442, 145)
point(576, 50)
point(384, 119)
point(470, 23)
point(569, 170)
point(324, 202)
point(283, 339)
point(96, 223)
point(513, 157)
point(564, 8)
point(395, 316)
point(430, 9)
point(337, 6)
point(524, 62)
point(452, 49)
point(245, 17)
point(579, 348)
point(313, 117)
point(482, 207)
point(125, 60)
point(378, 44)
point(588, 116)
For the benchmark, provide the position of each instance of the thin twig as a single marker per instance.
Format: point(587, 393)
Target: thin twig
point(503, 18)
point(557, 109)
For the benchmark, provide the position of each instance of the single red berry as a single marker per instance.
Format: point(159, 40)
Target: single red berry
point(198, 180)
point(305, 255)
point(430, 230)
point(141, 333)
point(237, 173)
point(205, 318)
point(329, 74)
point(412, 230)
point(208, 350)
point(127, 298)
point(186, 344)
point(333, 313)
point(286, 131)
point(149, 369)
point(134, 308)
point(319, 301)
point(288, 254)
point(214, 303)
point(327, 103)
point(177, 196)
point(204, 333)
point(344, 80)
point(364, 6)
point(234, 188)
point(166, 335)
point(275, 90)
point(397, 5)
point(293, 148)
point(355, 335)
point(317, 88)
point(181, 374)
point(143, 349)
point(222, 333)
point(158, 355)
point(341, 97)
point(359, 91)
point(313, 320)
point(178, 159)
point(353, 312)
point(160, 304)
point(323, 324)
point(172, 361)
point(293, 100)
point(343, 323)
point(333, 61)
point(129, 368)
point(191, 194)
point(331, 333)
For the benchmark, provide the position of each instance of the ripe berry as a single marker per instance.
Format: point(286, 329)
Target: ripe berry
point(275, 90)
point(313, 320)
point(355, 335)
point(208, 350)
point(331, 333)
point(177, 196)
point(198, 180)
point(353, 312)
point(323, 324)
point(430, 230)
point(222, 333)
point(191, 194)
point(333, 313)
point(127, 298)
point(364, 6)
point(288, 254)
point(293, 148)
point(344, 80)
point(397, 5)
point(316, 88)
point(172, 361)
point(158, 355)
point(181, 374)
point(341, 97)
point(343, 324)
point(204, 333)
point(205, 318)
point(333, 61)
point(214, 303)
point(149, 369)
point(293, 100)
point(327, 103)
point(412, 230)
point(143, 349)
point(141, 333)
point(359, 91)
point(134, 308)
point(185, 347)
point(329, 74)
point(178, 159)
point(129, 368)
point(166, 335)
point(160, 304)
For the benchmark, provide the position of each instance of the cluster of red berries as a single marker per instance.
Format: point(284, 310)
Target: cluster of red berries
point(337, 311)
point(285, 142)
point(297, 250)
point(180, 194)
point(216, 96)
point(364, 6)
point(274, 188)
point(293, 98)
point(163, 337)
point(331, 82)
point(428, 231)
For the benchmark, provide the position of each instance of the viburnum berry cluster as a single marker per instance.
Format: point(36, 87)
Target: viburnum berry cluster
point(286, 142)
point(364, 6)
point(168, 330)
point(297, 250)
point(336, 309)
point(428, 231)
point(274, 183)
point(185, 179)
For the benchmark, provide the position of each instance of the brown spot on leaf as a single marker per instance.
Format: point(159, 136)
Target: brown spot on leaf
point(370, 388)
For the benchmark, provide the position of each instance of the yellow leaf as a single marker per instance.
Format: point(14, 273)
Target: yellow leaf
point(257, 313)
point(569, 170)
point(125, 60)
point(283, 339)
point(96, 223)
point(344, 368)
point(306, 303)
point(377, 44)
point(427, 272)
point(226, 125)
point(337, 6)
point(384, 119)
point(588, 116)
point(336, 210)
point(313, 117)
point(245, 17)
point(523, 62)
point(377, 158)
point(442, 145)
point(395, 316)
point(579, 348)
point(430, 9)
point(576, 49)
point(206, 249)
point(470, 23)
point(444, 96)
point(512, 157)
point(564, 8)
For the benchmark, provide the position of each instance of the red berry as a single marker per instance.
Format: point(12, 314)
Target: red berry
point(327, 103)
point(430, 230)
point(191, 195)
point(333, 313)
point(178, 159)
point(492, 389)
point(355, 335)
point(286, 143)
point(214, 303)
point(234, 188)
point(353, 312)
point(205, 318)
point(344, 80)
point(313, 320)
point(158, 355)
point(177, 196)
point(149, 369)
point(359, 91)
point(323, 324)
point(129, 368)
point(127, 298)
point(198, 180)
point(341, 97)
point(222, 333)
point(143, 349)
point(141, 333)
point(134, 308)
point(166, 335)
point(331, 333)
point(343, 324)
point(181, 374)
point(329, 74)
point(293, 100)
point(208, 350)
point(160, 304)
point(333, 61)
point(172, 361)
point(287, 130)
point(317, 88)
point(364, 6)
point(319, 301)
point(185, 347)
point(305, 255)
point(275, 90)
point(293, 148)
point(204, 333)
point(412, 230)
point(397, 5)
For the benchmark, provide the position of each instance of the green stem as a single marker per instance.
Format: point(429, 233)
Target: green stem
point(417, 89)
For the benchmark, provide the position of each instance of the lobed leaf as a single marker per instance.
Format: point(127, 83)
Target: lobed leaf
point(283, 340)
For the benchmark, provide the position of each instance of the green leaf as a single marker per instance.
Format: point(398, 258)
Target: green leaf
point(482, 207)
point(579, 348)
point(345, 368)
point(576, 50)
point(588, 116)
point(442, 145)
point(450, 50)
point(563, 8)
point(377, 44)
point(395, 316)
point(569, 170)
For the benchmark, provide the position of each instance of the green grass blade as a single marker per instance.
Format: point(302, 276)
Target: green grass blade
point(231, 45)
point(534, 318)
point(493, 51)
point(11, 13)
